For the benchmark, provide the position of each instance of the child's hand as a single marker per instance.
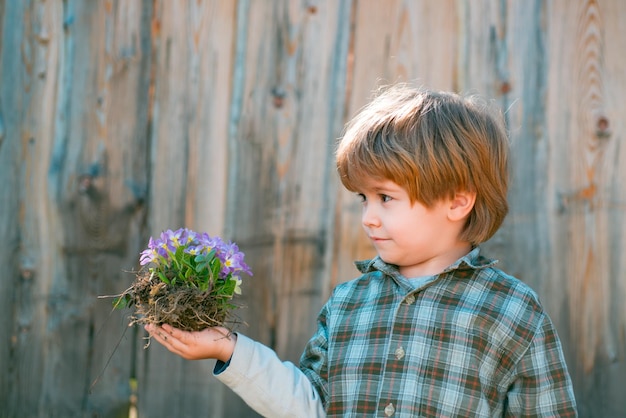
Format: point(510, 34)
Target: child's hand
point(211, 343)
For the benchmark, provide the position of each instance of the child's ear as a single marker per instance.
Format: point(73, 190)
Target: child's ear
point(461, 205)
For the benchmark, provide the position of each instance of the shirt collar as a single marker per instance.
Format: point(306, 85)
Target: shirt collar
point(472, 260)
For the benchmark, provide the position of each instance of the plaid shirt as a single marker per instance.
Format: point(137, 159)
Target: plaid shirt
point(471, 341)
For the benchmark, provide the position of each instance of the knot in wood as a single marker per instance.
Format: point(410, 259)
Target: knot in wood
point(278, 97)
point(602, 127)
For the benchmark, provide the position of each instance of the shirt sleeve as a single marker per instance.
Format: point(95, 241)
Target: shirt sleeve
point(542, 387)
point(271, 387)
point(314, 360)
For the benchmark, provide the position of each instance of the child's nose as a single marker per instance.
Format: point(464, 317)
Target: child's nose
point(370, 216)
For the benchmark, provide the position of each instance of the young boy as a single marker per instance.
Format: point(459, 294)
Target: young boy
point(431, 328)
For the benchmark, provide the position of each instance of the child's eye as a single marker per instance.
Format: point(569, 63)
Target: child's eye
point(362, 197)
point(385, 198)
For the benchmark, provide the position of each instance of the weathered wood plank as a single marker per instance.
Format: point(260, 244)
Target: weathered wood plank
point(108, 196)
point(97, 185)
point(192, 45)
point(292, 107)
point(17, 270)
point(584, 121)
point(38, 219)
point(71, 231)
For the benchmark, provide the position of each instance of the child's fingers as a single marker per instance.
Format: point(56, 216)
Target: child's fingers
point(161, 335)
point(170, 342)
point(157, 333)
point(176, 334)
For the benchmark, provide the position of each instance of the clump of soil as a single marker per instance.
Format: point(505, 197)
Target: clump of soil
point(185, 308)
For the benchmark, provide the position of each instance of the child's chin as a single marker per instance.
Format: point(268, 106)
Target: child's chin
point(387, 259)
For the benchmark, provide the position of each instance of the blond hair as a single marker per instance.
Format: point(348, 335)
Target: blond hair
point(433, 144)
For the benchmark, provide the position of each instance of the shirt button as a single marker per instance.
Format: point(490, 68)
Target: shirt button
point(399, 353)
point(409, 299)
point(390, 410)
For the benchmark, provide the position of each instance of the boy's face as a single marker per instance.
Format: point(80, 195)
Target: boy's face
point(421, 241)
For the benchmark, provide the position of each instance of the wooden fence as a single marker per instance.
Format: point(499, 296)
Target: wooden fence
point(119, 119)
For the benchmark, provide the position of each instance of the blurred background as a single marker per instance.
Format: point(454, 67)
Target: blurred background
point(120, 119)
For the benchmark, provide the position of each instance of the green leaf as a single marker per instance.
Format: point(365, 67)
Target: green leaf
point(203, 261)
point(228, 288)
point(162, 277)
point(216, 267)
point(180, 250)
point(206, 258)
point(200, 267)
point(124, 301)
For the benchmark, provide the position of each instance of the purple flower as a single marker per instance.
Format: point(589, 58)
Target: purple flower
point(194, 249)
point(210, 243)
point(172, 238)
point(147, 256)
point(187, 236)
point(232, 260)
point(152, 253)
point(162, 255)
